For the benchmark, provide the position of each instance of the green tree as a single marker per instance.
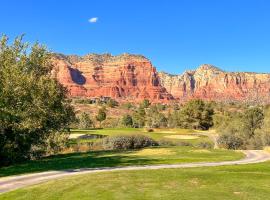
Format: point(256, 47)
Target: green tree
point(127, 121)
point(145, 103)
point(196, 114)
point(155, 118)
point(139, 117)
point(85, 121)
point(172, 119)
point(33, 105)
point(252, 120)
point(101, 116)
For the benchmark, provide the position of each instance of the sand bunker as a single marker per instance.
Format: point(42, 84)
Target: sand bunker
point(153, 152)
point(75, 135)
point(182, 137)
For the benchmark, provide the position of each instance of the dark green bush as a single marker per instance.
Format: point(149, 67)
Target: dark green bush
point(149, 130)
point(230, 141)
point(127, 142)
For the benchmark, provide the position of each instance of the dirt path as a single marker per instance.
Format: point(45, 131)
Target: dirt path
point(16, 182)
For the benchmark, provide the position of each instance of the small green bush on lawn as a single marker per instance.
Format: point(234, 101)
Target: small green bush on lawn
point(123, 142)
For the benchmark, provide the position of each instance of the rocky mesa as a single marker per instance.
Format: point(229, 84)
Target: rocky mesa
point(130, 77)
point(124, 77)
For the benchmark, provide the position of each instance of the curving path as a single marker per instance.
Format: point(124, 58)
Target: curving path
point(16, 182)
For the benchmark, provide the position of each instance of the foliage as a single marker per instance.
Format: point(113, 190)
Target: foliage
point(173, 119)
point(101, 115)
point(196, 114)
point(127, 106)
point(128, 142)
point(145, 103)
point(112, 103)
point(33, 105)
point(83, 101)
point(127, 121)
point(111, 122)
point(243, 130)
point(139, 117)
point(230, 141)
point(252, 120)
point(155, 119)
point(85, 121)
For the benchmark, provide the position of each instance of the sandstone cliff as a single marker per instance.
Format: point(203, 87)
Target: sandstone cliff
point(124, 77)
point(211, 83)
point(133, 78)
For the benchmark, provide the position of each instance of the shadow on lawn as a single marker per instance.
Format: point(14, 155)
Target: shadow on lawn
point(75, 161)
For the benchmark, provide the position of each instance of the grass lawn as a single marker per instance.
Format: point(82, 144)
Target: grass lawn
point(149, 156)
point(244, 182)
point(158, 134)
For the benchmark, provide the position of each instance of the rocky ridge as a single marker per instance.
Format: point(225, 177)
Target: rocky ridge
point(128, 77)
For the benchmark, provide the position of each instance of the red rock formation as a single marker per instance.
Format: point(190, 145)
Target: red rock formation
point(133, 78)
point(124, 77)
point(210, 83)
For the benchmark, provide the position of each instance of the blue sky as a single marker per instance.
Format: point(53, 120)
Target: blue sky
point(174, 34)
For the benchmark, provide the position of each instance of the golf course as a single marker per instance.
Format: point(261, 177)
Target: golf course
point(149, 172)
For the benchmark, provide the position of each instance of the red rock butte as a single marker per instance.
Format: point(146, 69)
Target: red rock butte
point(133, 78)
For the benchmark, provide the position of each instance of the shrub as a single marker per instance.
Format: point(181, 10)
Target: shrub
point(255, 142)
point(112, 103)
point(101, 115)
point(84, 121)
point(124, 142)
point(230, 141)
point(204, 145)
point(111, 123)
point(127, 121)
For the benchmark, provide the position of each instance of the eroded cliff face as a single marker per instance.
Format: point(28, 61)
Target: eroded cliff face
point(133, 78)
point(210, 83)
point(124, 77)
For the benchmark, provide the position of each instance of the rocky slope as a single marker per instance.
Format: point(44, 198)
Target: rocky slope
point(124, 77)
point(132, 77)
point(211, 83)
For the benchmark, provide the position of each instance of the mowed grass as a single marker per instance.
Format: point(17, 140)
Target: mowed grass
point(149, 156)
point(238, 182)
point(158, 134)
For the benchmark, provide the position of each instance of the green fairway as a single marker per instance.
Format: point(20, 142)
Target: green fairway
point(244, 182)
point(157, 134)
point(150, 156)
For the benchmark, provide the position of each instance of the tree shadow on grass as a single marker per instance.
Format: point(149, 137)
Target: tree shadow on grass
point(75, 161)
